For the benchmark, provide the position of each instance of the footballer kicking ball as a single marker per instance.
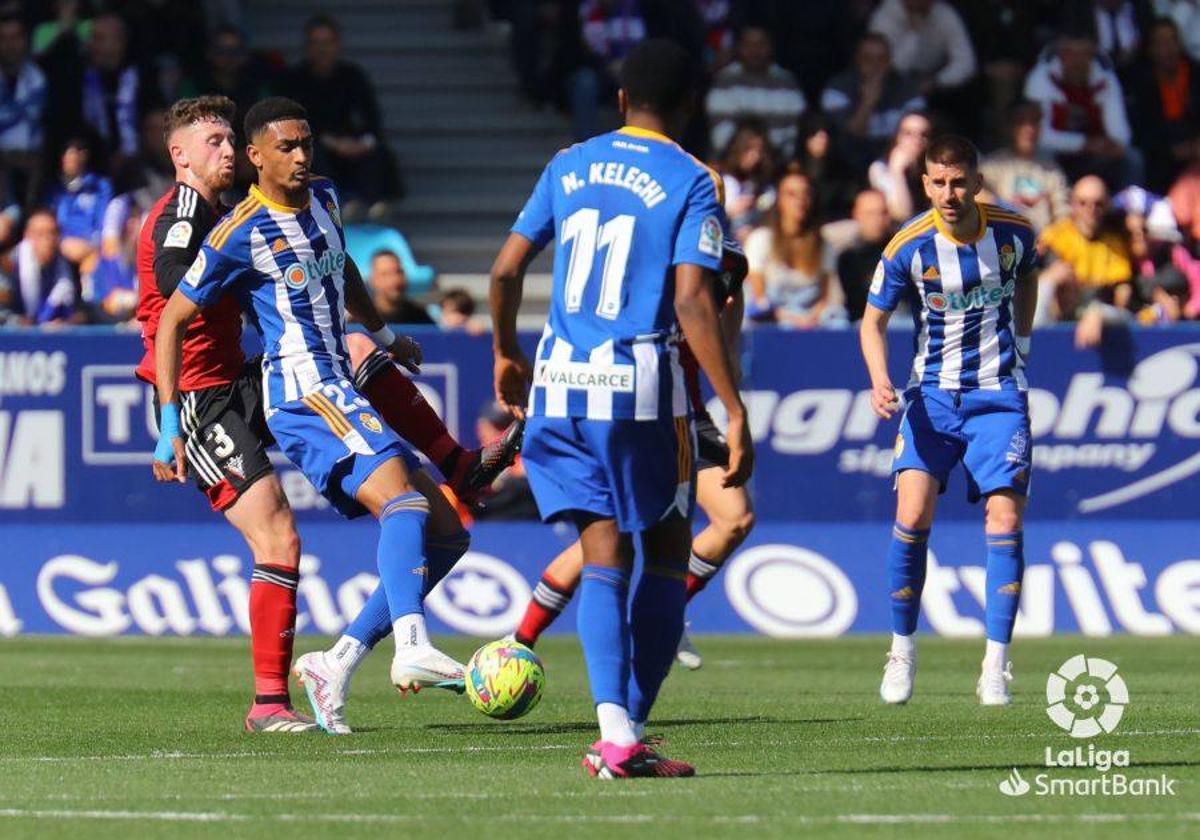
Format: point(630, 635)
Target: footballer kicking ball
point(505, 679)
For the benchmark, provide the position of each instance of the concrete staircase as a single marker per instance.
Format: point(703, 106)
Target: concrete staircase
point(471, 151)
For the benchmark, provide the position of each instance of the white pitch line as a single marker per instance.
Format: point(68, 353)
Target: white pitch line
point(729, 819)
point(182, 756)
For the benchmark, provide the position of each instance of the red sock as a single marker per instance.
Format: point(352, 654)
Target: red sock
point(694, 584)
point(272, 630)
point(700, 572)
point(396, 397)
point(548, 601)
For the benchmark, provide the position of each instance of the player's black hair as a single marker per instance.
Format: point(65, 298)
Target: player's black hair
point(952, 150)
point(272, 109)
point(322, 21)
point(657, 76)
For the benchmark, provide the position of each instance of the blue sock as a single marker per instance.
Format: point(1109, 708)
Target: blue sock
point(441, 553)
point(1005, 566)
point(401, 557)
point(374, 621)
point(656, 623)
point(604, 633)
point(906, 576)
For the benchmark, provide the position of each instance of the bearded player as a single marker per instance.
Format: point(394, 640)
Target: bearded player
point(222, 423)
point(967, 270)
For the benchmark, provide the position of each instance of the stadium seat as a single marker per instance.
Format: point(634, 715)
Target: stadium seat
point(364, 241)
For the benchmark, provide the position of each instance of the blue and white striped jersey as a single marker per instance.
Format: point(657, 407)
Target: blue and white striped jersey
point(961, 296)
point(285, 264)
point(626, 208)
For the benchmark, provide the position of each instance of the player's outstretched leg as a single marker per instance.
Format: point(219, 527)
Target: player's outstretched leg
point(326, 675)
point(262, 515)
point(1005, 568)
point(916, 496)
point(402, 406)
point(730, 520)
point(551, 595)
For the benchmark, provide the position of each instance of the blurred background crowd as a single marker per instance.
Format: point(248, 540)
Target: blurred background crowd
point(815, 113)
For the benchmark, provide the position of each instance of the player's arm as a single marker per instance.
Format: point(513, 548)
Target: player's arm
point(1025, 297)
point(697, 315)
point(403, 349)
point(887, 286)
point(176, 243)
point(169, 460)
point(872, 335)
point(511, 374)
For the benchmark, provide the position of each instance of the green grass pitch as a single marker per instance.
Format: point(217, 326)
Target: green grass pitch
point(141, 738)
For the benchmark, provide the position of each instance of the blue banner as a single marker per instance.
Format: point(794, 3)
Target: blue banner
point(790, 580)
point(1115, 432)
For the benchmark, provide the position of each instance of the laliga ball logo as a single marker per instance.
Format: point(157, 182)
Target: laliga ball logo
point(295, 276)
point(1084, 680)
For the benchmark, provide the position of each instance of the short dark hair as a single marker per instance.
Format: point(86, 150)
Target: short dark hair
point(187, 111)
point(1023, 112)
point(657, 76)
point(458, 300)
point(272, 109)
point(953, 150)
point(322, 21)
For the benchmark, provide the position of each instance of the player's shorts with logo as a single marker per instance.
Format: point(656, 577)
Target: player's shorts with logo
point(337, 440)
point(634, 471)
point(712, 450)
point(225, 436)
point(988, 431)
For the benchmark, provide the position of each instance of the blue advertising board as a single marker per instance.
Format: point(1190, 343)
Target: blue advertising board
point(91, 544)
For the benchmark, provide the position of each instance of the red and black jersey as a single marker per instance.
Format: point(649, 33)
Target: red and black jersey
point(170, 239)
point(728, 283)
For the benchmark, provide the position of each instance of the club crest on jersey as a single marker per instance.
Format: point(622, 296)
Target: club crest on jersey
point(192, 278)
point(369, 420)
point(1008, 257)
point(710, 237)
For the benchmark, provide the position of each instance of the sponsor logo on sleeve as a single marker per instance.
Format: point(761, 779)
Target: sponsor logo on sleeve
point(178, 235)
point(710, 237)
point(192, 278)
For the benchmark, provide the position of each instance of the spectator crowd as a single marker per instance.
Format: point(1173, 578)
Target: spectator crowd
point(816, 114)
point(84, 88)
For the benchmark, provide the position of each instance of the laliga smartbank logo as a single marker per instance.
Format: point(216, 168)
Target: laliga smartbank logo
point(1086, 697)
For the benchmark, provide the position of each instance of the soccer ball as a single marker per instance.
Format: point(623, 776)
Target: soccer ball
point(505, 679)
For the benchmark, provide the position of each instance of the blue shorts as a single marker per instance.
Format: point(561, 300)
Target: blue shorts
point(638, 472)
point(987, 430)
point(337, 440)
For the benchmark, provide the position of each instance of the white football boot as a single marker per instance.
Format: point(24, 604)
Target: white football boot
point(898, 674)
point(686, 654)
point(992, 688)
point(425, 666)
point(327, 687)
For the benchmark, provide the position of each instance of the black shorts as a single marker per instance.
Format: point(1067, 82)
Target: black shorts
point(225, 436)
point(711, 449)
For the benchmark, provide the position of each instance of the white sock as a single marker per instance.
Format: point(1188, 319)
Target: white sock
point(410, 631)
point(347, 653)
point(903, 644)
point(615, 725)
point(995, 656)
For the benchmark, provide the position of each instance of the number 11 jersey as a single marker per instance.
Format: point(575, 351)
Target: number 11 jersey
point(626, 208)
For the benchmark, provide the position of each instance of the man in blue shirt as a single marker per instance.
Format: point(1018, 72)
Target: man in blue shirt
point(609, 439)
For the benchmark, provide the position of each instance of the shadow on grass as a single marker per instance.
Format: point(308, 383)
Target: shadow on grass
point(589, 726)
